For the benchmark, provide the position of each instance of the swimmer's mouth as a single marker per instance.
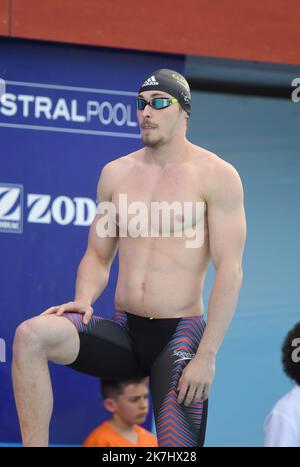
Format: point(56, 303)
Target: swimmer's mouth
point(148, 125)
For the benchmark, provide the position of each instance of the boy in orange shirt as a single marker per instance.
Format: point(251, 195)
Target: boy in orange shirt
point(128, 402)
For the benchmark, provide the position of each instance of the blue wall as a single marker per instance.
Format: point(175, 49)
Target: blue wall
point(52, 151)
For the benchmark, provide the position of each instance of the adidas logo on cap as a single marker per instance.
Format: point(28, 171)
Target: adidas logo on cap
point(150, 81)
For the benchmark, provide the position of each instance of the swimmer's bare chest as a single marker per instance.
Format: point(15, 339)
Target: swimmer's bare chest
point(162, 258)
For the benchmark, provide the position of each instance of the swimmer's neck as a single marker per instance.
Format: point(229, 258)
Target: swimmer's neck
point(173, 152)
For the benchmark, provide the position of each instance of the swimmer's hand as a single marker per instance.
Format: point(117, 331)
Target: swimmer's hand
point(78, 306)
point(196, 380)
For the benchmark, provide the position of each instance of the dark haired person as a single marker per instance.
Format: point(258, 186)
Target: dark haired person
point(282, 425)
point(157, 329)
point(128, 403)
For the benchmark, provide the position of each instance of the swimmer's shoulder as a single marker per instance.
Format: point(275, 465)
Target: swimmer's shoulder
point(122, 163)
point(115, 170)
point(211, 165)
point(215, 174)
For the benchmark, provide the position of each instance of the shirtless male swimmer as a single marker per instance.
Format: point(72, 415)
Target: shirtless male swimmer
point(157, 328)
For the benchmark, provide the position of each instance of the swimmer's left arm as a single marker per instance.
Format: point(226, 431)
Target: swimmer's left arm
point(227, 233)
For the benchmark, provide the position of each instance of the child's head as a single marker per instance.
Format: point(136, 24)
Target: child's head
point(290, 354)
point(127, 400)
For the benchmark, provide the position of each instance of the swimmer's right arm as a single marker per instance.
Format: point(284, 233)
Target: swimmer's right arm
point(94, 268)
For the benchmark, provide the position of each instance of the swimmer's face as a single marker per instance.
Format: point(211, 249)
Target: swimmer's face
point(159, 126)
point(132, 406)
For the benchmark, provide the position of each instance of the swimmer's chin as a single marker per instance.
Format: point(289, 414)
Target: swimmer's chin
point(151, 143)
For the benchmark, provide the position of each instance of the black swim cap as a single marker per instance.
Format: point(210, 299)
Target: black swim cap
point(171, 82)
